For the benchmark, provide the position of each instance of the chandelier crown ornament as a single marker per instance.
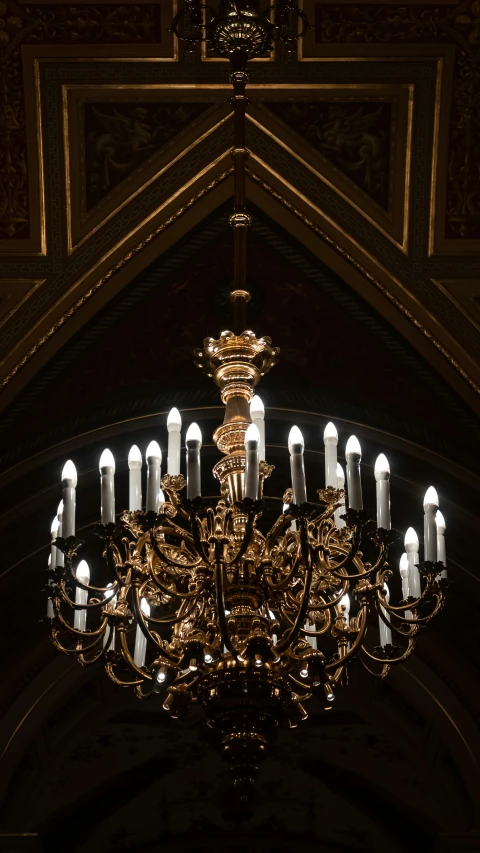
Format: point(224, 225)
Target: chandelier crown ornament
point(202, 602)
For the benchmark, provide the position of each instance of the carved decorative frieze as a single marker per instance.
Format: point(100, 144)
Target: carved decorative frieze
point(355, 136)
point(121, 136)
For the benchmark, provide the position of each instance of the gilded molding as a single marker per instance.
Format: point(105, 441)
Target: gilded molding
point(111, 272)
point(452, 361)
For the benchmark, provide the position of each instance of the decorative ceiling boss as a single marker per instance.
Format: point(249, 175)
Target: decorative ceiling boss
point(197, 601)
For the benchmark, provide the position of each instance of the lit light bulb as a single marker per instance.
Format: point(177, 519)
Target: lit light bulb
point(54, 527)
point(134, 457)
point(381, 465)
point(431, 497)
point(304, 671)
point(107, 460)
point(70, 472)
point(330, 433)
point(208, 657)
point(258, 661)
point(161, 496)
point(194, 433)
point(252, 434)
point(174, 420)
point(83, 572)
point(340, 476)
point(295, 438)
point(257, 409)
point(404, 565)
point(345, 604)
point(162, 674)
point(440, 522)
point(353, 446)
point(145, 607)
point(60, 509)
point(329, 694)
point(411, 539)
point(153, 451)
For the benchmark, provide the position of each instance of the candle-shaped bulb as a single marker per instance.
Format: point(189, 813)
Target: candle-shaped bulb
point(193, 434)
point(257, 409)
point(161, 496)
point(431, 497)
point(134, 457)
point(83, 572)
point(107, 460)
point(145, 607)
point(295, 439)
point(174, 420)
point(386, 593)
point(153, 451)
point(330, 434)
point(345, 604)
point(60, 509)
point(54, 527)
point(404, 565)
point(411, 540)
point(353, 446)
point(69, 473)
point(381, 467)
point(340, 476)
point(252, 435)
point(440, 522)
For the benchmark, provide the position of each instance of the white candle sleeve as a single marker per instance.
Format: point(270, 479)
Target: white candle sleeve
point(430, 506)
point(340, 522)
point(441, 544)
point(174, 427)
point(134, 479)
point(257, 414)
point(310, 626)
point(194, 443)
point(69, 484)
point(140, 639)
point(382, 477)
point(50, 612)
point(53, 548)
point(81, 596)
point(154, 461)
point(353, 456)
point(411, 547)
point(252, 461)
point(107, 487)
point(330, 441)
point(385, 631)
point(110, 599)
point(60, 556)
point(297, 467)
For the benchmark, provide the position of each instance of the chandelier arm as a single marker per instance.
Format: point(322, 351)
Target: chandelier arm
point(175, 530)
point(246, 540)
point(220, 600)
point(300, 618)
point(117, 680)
point(78, 583)
point(93, 605)
point(304, 631)
point(154, 578)
point(362, 618)
point(326, 606)
point(198, 543)
point(281, 524)
point(77, 651)
point(184, 596)
point(164, 557)
point(130, 661)
point(75, 631)
point(413, 605)
point(398, 659)
point(414, 627)
point(54, 632)
point(383, 672)
point(307, 690)
point(103, 651)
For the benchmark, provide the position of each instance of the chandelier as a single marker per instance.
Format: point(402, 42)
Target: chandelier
point(202, 604)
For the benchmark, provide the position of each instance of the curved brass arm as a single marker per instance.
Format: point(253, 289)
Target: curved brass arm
point(220, 601)
point(117, 680)
point(362, 619)
point(300, 618)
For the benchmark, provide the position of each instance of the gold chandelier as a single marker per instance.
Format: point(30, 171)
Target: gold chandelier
point(204, 606)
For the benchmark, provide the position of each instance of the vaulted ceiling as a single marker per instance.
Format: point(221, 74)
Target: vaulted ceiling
point(364, 260)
